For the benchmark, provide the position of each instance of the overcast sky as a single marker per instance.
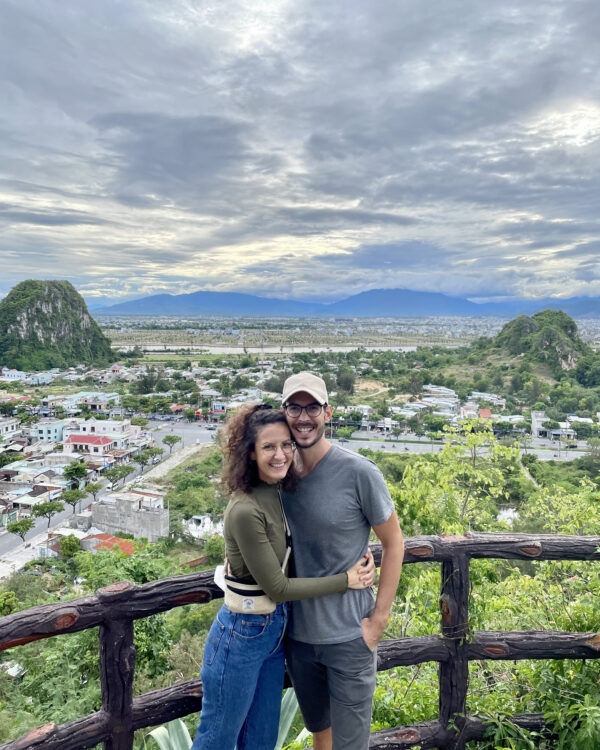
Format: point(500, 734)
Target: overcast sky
point(303, 149)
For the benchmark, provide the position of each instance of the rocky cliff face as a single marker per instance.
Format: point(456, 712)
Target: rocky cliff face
point(45, 324)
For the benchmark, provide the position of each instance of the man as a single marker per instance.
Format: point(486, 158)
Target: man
point(332, 640)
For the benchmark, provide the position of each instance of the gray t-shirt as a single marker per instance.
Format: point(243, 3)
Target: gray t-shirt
point(330, 516)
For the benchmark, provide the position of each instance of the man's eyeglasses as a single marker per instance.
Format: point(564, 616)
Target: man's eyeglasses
point(295, 410)
point(287, 447)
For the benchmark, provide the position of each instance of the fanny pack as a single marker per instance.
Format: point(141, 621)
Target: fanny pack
point(244, 597)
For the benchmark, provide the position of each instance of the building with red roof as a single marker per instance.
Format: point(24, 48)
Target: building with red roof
point(96, 444)
point(94, 542)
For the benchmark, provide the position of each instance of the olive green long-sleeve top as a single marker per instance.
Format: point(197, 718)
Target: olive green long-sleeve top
point(255, 547)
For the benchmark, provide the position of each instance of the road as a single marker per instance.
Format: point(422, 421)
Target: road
point(13, 553)
point(189, 432)
point(415, 445)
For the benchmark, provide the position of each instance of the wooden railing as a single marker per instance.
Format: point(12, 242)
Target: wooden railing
point(115, 607)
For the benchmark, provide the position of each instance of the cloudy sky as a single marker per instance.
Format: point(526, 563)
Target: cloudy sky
point(301, 148)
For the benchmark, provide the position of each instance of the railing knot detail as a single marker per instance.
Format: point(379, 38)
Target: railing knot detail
point(533, 549)
point(421, 550)
point(496, 649)
point(594, 642)
point(66, 620)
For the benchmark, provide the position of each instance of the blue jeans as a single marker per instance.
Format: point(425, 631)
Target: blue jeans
point(242, 679)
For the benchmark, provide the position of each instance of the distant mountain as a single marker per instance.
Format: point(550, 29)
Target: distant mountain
point(401, 303)
point(46, 324)
point(211, 303)
point(373, 303)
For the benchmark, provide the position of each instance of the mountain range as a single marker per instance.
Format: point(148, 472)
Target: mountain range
point(373, 303)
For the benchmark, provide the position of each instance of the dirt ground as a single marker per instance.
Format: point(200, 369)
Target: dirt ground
point(369, 385)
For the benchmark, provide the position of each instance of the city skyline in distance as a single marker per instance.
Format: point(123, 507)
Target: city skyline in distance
point(301, 151)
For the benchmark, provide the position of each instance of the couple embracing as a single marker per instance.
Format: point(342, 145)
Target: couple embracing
point(283, 475)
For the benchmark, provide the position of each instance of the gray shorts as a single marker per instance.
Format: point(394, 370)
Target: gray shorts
point(334, 683)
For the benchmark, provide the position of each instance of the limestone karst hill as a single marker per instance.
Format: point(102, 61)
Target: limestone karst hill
point(46, 324)
point(549, 336)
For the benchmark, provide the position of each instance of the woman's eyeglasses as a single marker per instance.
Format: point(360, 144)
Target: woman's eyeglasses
point(287, 447)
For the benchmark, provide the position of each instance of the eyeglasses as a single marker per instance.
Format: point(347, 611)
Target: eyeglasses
point(287, 447)
point(295, 410)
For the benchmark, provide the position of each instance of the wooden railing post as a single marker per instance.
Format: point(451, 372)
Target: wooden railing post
point(117, 666)
point(454, 673)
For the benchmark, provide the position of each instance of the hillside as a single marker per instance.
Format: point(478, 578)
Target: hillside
point(46, 324)
point(549, 336)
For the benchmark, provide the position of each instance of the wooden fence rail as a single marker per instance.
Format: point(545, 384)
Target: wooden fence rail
point(115, 607)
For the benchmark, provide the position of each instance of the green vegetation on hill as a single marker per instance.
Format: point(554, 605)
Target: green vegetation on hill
point(548, 336)
point(46, 324)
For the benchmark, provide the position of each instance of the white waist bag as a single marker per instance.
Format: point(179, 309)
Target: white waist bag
point(249, 597)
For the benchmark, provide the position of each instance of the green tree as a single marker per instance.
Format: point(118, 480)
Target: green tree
point(93, 488)
point(171, 440)
point(117, 474)
point(346, 379)
point(68, 546)
point(139, 422)
point(47, 510)
point(8, 603)
point(154, 452)
point(142, 458)
point(458, 489)
point(21, 527)
point(75, 471)
point(72, 497)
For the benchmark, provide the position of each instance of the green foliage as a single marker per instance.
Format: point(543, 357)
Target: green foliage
point(21, 527)
point(72, 497)
point(548, 336)
point(69, 546)
point(8, 603)
point(460, 488)
point(75, 470)
point(45, 324)
point(29, 589)
point(47, 510)
point(117, 474)
point(142, 458)
point(175, 736)
point(152, 381)
point(171, 440)
point(214, 548)
point(171, 736)
point(193, 491)
point(93, 488)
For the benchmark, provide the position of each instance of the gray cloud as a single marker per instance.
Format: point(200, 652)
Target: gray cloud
point(272, 148)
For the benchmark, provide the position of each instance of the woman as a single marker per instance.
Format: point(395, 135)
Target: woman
point(243, 664)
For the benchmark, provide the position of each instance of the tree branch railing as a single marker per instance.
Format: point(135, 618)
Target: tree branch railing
point(115, 607)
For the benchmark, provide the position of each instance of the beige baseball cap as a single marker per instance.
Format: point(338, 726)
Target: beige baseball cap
point(306, 382)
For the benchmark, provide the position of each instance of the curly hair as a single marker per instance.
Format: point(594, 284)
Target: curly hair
point(237, 440)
